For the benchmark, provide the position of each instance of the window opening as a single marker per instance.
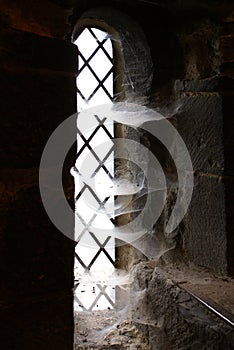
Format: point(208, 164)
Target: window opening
point(95, 78)
point(123, 73)
point(92, 254)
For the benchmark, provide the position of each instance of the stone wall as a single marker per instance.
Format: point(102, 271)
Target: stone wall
point(193, 82)
point(227, 87)
point(38, 71)
point(192, 49)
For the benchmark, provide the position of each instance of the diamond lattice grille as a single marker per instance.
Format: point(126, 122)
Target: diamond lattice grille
point(95, 78)
point(94, 254)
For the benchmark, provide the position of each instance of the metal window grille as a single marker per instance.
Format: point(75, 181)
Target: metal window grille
point(94, 86)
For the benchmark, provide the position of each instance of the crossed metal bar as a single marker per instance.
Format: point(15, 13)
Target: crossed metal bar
point(87, 64)
point(101, 204)
point(87, 225)
point(101, 249)
point(87, 144)
point(102, 291)
point(86, 229)
point(101, 165)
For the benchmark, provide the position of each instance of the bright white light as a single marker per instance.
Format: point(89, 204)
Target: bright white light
point(92, 94)
point(101, 65)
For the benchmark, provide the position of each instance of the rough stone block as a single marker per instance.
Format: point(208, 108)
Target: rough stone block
point(203, 85)
point(200, 125)
point(205, 240)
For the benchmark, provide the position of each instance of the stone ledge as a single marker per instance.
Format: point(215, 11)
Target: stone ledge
point(187, 324)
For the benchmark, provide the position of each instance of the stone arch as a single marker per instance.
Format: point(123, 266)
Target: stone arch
point(133, 62)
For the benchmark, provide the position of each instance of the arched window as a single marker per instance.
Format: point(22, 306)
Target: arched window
point(114, 65)
point(95, 83)
point(95, 78)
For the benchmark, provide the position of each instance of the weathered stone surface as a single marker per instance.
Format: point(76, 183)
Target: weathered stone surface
point(199, 123)
point(181, 322)
point(201, 50)
point(204, 240)
point(204, 85)
point(229, 195)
